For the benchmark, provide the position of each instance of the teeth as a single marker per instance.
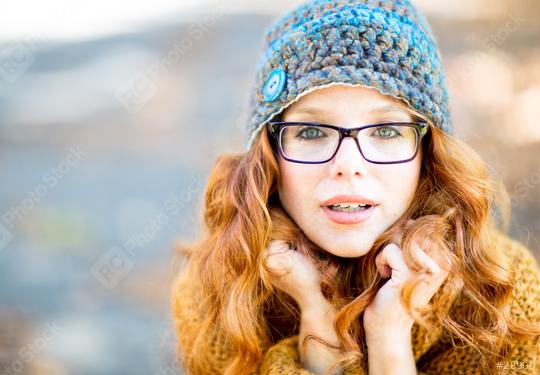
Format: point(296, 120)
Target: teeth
point(352, 205)
point(349, 207)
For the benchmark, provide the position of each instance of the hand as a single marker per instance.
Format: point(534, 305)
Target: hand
point(293, 273)
point(296, 275)
point(386, 315)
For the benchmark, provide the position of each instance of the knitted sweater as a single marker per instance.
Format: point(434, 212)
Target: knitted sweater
point(432, 354)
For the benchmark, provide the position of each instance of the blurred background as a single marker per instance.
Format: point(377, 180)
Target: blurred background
point(111, 116)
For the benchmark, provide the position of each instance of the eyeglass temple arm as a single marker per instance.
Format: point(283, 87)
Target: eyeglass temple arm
point(272, 128)
point(423, 125)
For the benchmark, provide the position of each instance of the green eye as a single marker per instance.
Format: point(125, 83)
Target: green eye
point(387, 132)
point(310, 133)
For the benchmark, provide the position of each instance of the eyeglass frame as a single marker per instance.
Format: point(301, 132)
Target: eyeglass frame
point(421, 127)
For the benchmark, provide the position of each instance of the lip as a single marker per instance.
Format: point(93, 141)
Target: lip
point(348, 217)
point(348, 198)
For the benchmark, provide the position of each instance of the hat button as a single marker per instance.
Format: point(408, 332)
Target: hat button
point(274, 84)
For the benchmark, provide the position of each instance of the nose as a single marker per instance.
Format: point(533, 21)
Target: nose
point(348, 161)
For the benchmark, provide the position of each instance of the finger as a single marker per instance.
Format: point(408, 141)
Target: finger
point(384, 269)
point(277, 245)
point(277, 257)
point(432, 278)
point(434, 251)
point(425, 260)
point(436, 272)
point(428, 288)
point(431, 282)
point(392, 257)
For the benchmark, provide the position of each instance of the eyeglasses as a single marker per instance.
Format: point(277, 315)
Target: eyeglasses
point(381, 143)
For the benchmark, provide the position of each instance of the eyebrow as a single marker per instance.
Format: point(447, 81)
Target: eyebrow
point(388, 108)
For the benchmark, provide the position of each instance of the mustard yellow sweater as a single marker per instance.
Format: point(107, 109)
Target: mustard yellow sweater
point(432, 355)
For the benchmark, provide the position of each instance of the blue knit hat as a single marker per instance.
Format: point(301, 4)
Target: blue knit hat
point(384, 44)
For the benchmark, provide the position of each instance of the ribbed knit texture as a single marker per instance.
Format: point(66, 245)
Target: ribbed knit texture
point(433, 355)
point(387, 45)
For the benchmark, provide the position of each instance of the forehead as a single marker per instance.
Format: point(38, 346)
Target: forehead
point(348, 98)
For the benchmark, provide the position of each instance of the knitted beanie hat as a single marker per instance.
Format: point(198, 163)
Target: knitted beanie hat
point(384, 44)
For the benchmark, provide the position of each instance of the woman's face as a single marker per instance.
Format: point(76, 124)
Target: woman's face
point(305, 188)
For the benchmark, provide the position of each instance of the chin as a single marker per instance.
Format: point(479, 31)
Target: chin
point(349, 250)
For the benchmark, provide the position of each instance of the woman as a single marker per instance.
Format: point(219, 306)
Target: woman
point(355, 233)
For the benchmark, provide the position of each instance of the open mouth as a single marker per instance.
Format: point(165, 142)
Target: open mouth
point(349, 207)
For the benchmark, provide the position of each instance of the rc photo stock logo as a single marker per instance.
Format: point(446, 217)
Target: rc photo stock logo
point(49, 179)
point(135, 92)
point(117, 262)
point(112, 267)
point(30, 351)
point(139, 88)
point(15, 60)
point(5, 236)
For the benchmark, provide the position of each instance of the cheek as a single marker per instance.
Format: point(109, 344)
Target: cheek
point(296, 186)
point(400, 183)
point(288, 185)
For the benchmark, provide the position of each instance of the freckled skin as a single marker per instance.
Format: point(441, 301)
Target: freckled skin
point(303, 187)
